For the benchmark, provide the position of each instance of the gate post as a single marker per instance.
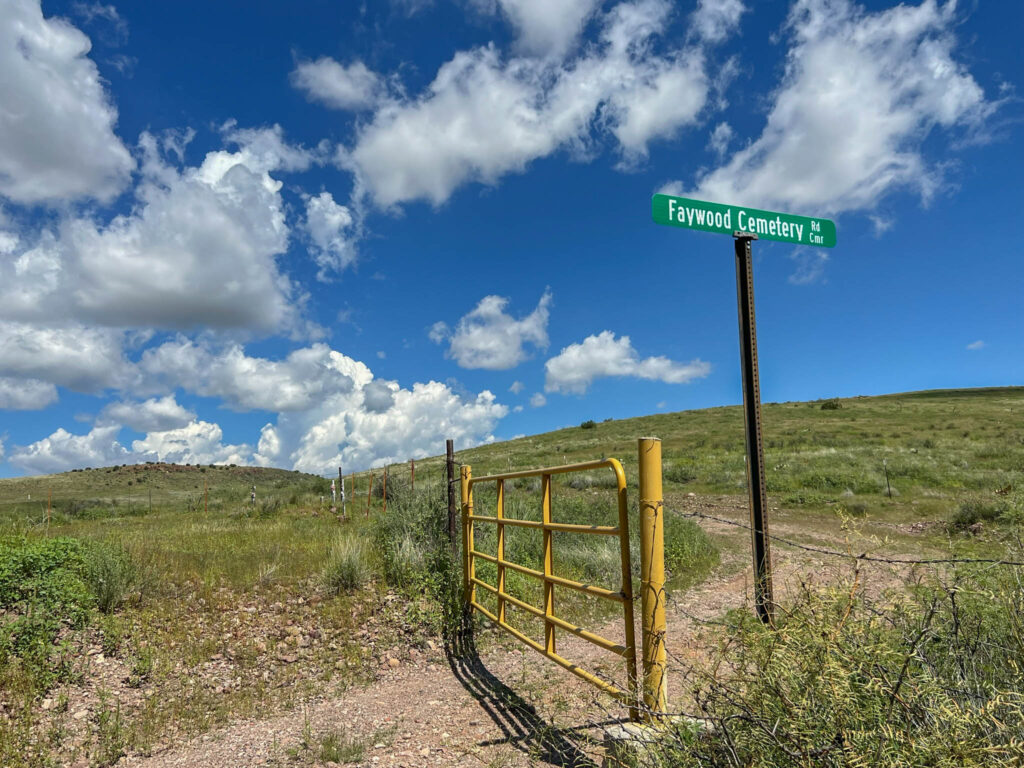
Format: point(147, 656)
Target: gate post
point(465, 474)
point(652, 576)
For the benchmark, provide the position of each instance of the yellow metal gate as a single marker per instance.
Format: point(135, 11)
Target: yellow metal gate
point(652, 593)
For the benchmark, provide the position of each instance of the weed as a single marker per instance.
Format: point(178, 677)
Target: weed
point(142, 666)
point(111, 733)
point(112, 635)
point(337, 746)
point(112, 575)
point(346, 567)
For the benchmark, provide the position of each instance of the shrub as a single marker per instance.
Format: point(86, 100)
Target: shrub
point(679, 473)
point(832, 404)
point(689, 552)
point(267, 507)
point(112, 575)
point(974, 511)
point(411, 544)
point(41, 589)
point(346, 568)
point(588, 424)
point(925, 676)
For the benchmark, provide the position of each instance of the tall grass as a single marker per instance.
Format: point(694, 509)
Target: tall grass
point(927, 675)
point(346, 568)
point(410, 546)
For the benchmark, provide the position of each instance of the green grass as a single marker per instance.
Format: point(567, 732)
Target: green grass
point(166, 567)
point(939, 448)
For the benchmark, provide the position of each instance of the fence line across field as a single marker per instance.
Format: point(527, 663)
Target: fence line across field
point(850, 555)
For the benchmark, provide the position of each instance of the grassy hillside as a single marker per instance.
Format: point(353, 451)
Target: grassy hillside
point(940, 449)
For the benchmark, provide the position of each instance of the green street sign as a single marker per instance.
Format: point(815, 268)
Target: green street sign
point(730, 219)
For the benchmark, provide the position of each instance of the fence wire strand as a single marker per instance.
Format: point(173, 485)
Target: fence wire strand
point(851, 556)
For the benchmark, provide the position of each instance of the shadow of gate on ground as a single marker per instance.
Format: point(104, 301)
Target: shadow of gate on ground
point(519, 721)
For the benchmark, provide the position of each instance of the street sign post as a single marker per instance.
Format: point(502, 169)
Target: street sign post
point(747, 225)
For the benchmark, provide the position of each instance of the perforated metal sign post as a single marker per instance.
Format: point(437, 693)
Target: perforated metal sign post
point(747, 225)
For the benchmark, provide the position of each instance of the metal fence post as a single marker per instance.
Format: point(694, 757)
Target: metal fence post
point(652, 576)
point(369, 494)
point(450, 473)
point(467, 534)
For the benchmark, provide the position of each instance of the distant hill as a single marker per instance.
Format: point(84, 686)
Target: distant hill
point(969, 439)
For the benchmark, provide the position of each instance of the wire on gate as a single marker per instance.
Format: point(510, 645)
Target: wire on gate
point(863, 556)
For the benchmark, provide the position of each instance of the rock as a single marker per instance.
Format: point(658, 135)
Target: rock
point(425, 752)
point(303, 642)
point(393, 663)
point(47, 703)
point(81, 714)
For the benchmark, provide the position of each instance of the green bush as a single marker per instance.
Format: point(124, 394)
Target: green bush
point(832, 404)
point(974, 511)
point(112, 575)
point(588, 424)
point(410, 543)
point(42, 588)
point(689, 552)
point(679, 473)
point(925, 676)
point(346, 568)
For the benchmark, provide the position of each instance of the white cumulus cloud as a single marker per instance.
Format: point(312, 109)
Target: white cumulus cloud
point(157, 414)
point(330, 228)
point(574, 369)
point(199, 442)
point(548, 27)
point(715, 20)
point(77, 357)
point(337, 86)
point(486, 115)
point(861, 93)
point(198, 250)
point(488, 337)
point(62, 451)
point(57, 139)
point(25, 394)
point(304, 378)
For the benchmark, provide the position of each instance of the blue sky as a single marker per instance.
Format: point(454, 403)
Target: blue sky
point(340, 233)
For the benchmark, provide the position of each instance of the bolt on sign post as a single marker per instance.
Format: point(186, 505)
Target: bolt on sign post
point(747, 225)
